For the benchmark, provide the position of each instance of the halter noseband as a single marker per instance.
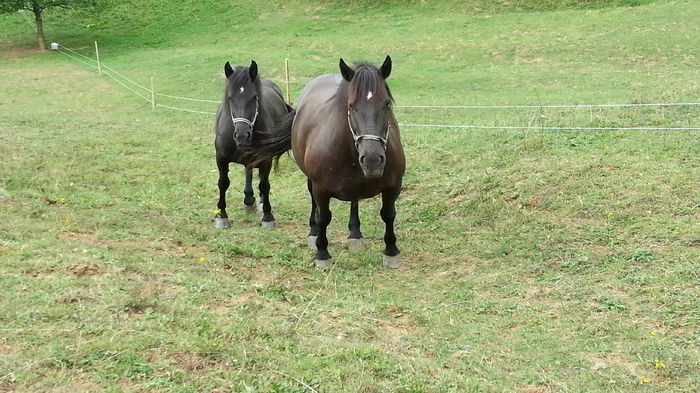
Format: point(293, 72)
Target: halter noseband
point(243, 119)
point(358, 138)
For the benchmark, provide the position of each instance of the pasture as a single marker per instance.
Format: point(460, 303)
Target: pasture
point(535, 260)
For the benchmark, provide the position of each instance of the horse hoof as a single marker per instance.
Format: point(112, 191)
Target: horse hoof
point(355, 245)
point(311, 242)
point(221, 223)
point(392, 262)
point(323, 263)
point(268, 224)
point(251, 209)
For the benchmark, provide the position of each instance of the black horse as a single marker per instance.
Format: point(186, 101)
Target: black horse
point(250, 104)
point(345, 139)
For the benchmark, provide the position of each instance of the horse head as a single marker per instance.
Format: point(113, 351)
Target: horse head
point(369, 113)
point(243, 98)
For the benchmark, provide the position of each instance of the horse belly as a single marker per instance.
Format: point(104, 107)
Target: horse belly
point(354, 194)
point(352, 188)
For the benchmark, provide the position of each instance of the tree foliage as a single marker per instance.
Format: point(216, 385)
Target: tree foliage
point(38, 7)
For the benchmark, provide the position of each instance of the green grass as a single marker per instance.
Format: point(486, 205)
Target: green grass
point(535, 261)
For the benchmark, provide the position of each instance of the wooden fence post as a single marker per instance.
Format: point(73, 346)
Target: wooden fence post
point(286, 68)
point(153, 96)
point(99, 65)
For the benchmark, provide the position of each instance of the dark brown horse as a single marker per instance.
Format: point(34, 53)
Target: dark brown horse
point(250, 104)
point(345, 139)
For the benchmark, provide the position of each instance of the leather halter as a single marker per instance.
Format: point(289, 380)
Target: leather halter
point(358, 138)
point(243, 119)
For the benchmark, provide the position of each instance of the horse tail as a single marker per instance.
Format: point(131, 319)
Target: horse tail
point(274, 143)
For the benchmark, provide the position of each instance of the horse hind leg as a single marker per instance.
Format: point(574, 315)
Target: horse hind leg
point(268, 220)
point(221, 218)
point(249, 198)
point(355, 240)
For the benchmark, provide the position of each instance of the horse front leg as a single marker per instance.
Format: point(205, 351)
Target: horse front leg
point(355, 241)
point(221, 218)
point(249, 198)
point(268, 220)
point(323, 258)
point(392, 258)
point(313, 225)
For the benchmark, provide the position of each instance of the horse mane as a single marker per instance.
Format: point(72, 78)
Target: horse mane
point(366, 79)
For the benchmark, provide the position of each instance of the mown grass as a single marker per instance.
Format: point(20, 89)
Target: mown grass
point(535, 261)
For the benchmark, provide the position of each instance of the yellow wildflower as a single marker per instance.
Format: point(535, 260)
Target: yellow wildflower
point(201, 259)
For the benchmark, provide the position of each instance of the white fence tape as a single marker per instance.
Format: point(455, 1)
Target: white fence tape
point(186, 98)
point(31, 23)
point(109, 74)
point(185, 110)
point(125, 78)
point(540, 106)
point(112, 74)
point(545, 127)
point(60, 49)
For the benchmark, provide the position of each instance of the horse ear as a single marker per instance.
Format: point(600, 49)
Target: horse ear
point(253, 69)
point(346, 71)
point(385, 71)
point(227, 69)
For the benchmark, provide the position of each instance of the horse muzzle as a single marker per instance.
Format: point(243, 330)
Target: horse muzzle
point(372, 162)
point(243, 134)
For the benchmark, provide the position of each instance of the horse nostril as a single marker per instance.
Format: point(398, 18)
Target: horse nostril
point(235, 134)
point(362, 159)
point(381, 159)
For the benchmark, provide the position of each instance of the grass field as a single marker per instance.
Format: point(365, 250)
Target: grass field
point(534, 260)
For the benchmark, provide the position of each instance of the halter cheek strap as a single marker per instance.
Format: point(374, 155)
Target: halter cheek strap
point(358, 138)
point(243, 119)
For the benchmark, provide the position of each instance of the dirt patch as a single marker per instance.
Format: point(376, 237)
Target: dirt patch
point(192, 362)
point(85, 269)
point(227, 304)
point(40, 273)
point(533, 389)
point(259, 276)
point(154, 246)
point(609, 168)
point(618, 361)
point(462, 270)
point(72, 299)
point(393, 329)
point(13, 53)
point(8, 350)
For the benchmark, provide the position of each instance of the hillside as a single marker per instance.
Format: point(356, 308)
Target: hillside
point(559, 255)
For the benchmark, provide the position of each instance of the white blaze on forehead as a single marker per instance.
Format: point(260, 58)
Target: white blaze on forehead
point(369, 95)
point(242, 89)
